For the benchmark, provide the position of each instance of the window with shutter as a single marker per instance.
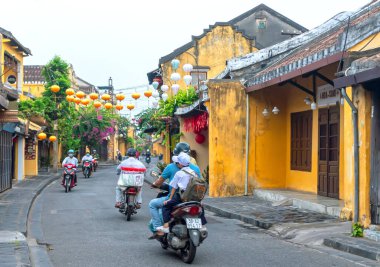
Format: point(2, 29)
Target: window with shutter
point(301, 139)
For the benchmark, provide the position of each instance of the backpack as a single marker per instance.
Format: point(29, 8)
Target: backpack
point(196, 188)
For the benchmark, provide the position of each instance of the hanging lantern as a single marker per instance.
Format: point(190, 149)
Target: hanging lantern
point(106, 97)
point(120, 97)
point(70, 98)
point(187, 79)
point(175, 88)
point(136, 96)
point(155, 85)
point(108, 105)
point(175, 77)
point(164, 88)
point(41, 136)
point(175, 64)
point(155, 94)
point(77, 100)
point(55, 88)
point(200, 138)
point(119, 107)
point(94, 96)
point(155, 103)
point(85, 101)
point(164, 96)
point(70, 91)
point(97, 104)
point(187, 68)
point(52, 138)
point(80, 94)
point(148, 93)
point(130, 106)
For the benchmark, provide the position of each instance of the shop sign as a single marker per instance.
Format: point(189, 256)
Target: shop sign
point(327, 95)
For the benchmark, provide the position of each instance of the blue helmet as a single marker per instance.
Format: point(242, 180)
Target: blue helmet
point(70, 151)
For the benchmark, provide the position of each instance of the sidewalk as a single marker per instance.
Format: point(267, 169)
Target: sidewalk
point(14, 210)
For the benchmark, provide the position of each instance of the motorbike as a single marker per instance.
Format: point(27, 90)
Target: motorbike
point(185, 229)
point(147, 159)
point(130, 184)
point(87, 168)
point(68, 175)
point(94, 164)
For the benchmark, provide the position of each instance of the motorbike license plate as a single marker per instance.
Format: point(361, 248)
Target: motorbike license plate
point(193, 223)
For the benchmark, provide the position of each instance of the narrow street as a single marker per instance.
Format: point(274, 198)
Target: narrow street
point(82, 228)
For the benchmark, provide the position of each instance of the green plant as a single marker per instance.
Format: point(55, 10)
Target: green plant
point(161, 166)
point(206, 174)
point(357, 230)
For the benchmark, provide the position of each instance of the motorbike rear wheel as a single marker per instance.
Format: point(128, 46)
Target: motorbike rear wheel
point(67, 187)
point(188, 253)
point(129, 213)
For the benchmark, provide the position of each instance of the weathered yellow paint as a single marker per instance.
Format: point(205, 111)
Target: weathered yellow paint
point(36, 89)
point(31, 166)
point(226, 146)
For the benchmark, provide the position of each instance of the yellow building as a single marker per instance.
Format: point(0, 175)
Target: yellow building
point(12, 130)
point(291, 128)
point(207, 53)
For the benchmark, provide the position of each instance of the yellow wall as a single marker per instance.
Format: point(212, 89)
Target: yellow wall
point(35, 89)
point(31, 166)
point(227, 140)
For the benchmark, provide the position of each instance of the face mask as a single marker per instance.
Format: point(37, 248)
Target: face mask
point(71, 155)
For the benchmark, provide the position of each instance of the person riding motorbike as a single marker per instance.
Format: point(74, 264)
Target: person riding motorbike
point(157, 203)
point(95, 157)
point(70, 159)
point(86, 157)
point(132, 165)
point(178, 184)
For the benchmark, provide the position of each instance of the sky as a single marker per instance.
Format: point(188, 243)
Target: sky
point(125, 39)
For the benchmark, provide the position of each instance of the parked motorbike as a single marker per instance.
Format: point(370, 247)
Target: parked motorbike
point(87, 168)
point(68, 175)
point(186, 233)
point(94, 164)
point(130, 184)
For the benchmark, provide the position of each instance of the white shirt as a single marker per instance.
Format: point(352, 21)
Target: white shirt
point(181, 179)
point(132, 165)
point(85, 157)
point(69, 160)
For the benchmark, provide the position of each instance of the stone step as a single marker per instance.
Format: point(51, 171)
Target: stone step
point(354, 245)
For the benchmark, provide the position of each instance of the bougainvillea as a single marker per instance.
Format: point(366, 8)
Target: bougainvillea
point(196, 123)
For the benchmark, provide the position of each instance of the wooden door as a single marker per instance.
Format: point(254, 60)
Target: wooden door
point(328, 162)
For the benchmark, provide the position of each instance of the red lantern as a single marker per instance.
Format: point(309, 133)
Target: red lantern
point(200, 138)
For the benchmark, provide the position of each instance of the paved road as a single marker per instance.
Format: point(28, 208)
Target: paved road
point(83, 228)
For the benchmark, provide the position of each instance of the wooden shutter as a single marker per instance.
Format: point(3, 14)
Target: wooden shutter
point(301, 140)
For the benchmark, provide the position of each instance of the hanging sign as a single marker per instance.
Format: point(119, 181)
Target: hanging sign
point(327, 95)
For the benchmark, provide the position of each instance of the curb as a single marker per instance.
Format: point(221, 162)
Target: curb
point(231, 215)
point(345, 245)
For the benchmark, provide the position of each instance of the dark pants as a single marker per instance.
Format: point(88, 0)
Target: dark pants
point(167, 209)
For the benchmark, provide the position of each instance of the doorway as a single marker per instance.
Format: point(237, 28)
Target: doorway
point(328, 159)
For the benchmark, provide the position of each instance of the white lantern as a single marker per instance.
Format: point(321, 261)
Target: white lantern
point(155, 94)
point(265, 112)
point(175, 77)
point(188, 68)
point(275, 110)
point(164, 96)
point(175, 64)
point(164, 88)
point(175, 88)
point(155, 85)
point(187, 79)
point(313, 106)
point(155, 103)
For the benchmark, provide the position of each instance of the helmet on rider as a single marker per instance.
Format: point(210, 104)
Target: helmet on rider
point(71, 153)
point(88, 154)
point(131, 152)
point(181, 147)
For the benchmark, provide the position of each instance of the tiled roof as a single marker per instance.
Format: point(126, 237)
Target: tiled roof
point(32, 74)
point(311, 49)
point(9, 35)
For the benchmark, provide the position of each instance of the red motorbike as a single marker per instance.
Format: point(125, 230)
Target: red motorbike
point(87, 168)
point(68, 177)
point(94, 164)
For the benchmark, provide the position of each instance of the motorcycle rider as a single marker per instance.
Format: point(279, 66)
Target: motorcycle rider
point(70, 159)
point(157, 203)
point(184, 147)
point(132, 165)
point(178, 184)
point(95, 157)
point(86, 157)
